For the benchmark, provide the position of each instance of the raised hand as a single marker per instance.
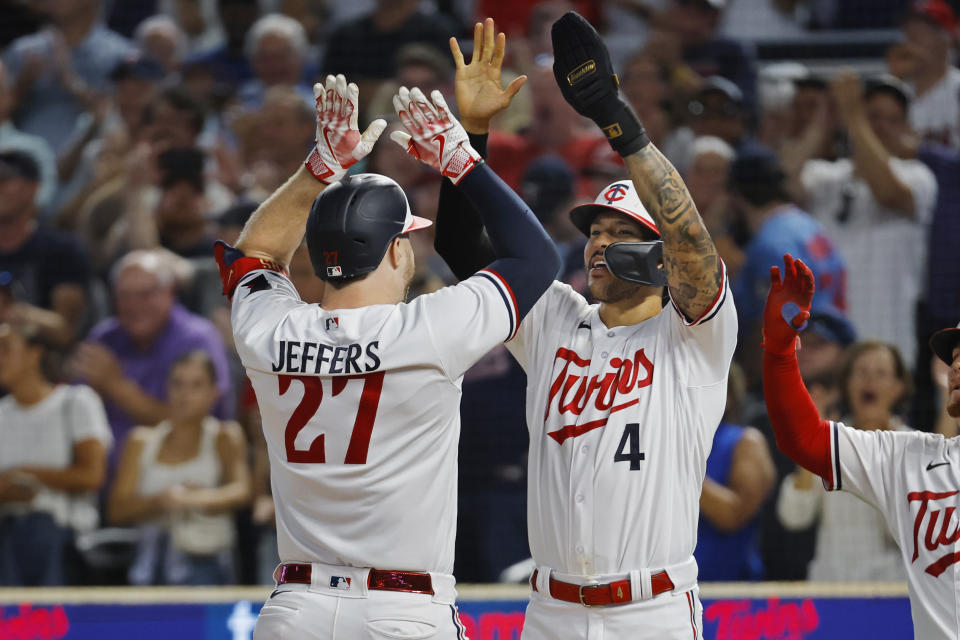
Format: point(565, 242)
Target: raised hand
point(339, 143)
point(432, 134)
point(480, 95)
point(788, 305)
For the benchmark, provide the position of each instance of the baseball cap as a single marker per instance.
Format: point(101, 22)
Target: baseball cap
point(620, 197)
point(755, 164)
point(18, 164)
point(832, 325)
point(889, 84)
point(935, 12)
point(138, 66)
point(943, 342)
point(547, 184)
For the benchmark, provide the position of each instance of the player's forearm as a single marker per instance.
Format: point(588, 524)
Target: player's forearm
point(800, 432)
point(276, 228)
point(690, 258)
point(872, 161)
point(459, 237)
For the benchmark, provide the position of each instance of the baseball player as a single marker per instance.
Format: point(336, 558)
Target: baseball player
point(359, 394)
point(623, 396)
point(911, 477)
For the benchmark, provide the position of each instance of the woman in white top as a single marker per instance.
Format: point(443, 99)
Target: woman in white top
point(53, 449)
point(181, 482)
point(853, 543)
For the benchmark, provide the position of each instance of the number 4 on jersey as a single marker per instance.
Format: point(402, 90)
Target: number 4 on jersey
point(631, 438)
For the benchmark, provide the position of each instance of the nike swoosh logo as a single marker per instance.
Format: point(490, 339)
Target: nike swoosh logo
point(931, 466)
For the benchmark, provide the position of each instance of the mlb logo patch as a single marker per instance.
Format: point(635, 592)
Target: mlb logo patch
point(340, 582)
point(332, 323)
point(334, 272)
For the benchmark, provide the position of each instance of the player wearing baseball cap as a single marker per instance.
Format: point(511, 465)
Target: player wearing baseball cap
point(912, 478)
point(623, 396)
point(360, 393)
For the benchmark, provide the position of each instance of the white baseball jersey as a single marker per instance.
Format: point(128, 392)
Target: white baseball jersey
point(360, 412)
point(621, 423)
point(914, 480)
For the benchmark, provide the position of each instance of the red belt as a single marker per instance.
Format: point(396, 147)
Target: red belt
point(377, 579)
point(599, 595)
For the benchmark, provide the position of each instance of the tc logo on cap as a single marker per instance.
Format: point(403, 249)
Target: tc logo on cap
point(616, 193)
point(334, 272)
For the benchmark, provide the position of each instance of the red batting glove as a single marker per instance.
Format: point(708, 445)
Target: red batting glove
point(788, 306)
point(339, 143)
point(433, 135)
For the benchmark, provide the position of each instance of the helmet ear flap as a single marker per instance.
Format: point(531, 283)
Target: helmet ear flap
point(640, 262)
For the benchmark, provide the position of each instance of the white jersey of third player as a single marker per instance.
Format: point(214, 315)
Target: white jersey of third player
point(621, 423)
point(361, 417)
point(913, 479)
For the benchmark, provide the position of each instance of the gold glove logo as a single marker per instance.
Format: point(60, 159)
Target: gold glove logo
point(581, 72)
point(613, 130)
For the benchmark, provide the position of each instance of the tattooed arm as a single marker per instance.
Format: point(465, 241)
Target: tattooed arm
point(693, 267)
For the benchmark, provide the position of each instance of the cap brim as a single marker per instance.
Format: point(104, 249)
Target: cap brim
point(582, 216)
point(416, 222)
point(943, 342)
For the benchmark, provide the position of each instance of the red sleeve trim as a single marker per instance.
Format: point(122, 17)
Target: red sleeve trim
point(234, 265)
point(714, 305)
point(508, 298)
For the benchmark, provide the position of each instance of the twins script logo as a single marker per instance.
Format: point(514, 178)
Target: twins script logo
point(933, 540)
point(573, 391)
point(739, 620)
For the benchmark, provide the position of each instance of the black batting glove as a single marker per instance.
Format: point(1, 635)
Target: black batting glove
point(582, 68)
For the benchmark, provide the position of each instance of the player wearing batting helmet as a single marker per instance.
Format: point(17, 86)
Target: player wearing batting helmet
point(623, 396)
point(911, 477)
point(360, 393)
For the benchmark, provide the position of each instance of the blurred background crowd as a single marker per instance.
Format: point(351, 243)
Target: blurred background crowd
point(134, 133)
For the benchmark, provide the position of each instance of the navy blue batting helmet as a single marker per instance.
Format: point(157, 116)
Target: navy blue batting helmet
point(352, 223)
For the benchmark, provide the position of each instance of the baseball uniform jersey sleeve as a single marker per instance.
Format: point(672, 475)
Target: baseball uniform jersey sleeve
point(913, 479)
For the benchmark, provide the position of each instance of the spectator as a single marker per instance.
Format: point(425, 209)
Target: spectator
point(876, 206)
point(778, 226)
point(127, 358)
point(940, 301)
point(645, 83)
point(12, 139)
point(58, 70)
point(740, 477)
point(547, 187)
point(174, 120)
point(706, 179)
point(928, 32)
point(365, 50)
point(274, 140)
point(787, 553)
point(55, 442)
point(227, 63)
point(418, 65)
point(160, 38)
point(181, 481)
point(49, 267)
point(276, 46)
point(853, 543)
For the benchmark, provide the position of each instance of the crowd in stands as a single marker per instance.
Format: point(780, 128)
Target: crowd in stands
point(134, 134)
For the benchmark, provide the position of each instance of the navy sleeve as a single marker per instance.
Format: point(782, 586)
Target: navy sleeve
point(459, 237)
point(526, 256)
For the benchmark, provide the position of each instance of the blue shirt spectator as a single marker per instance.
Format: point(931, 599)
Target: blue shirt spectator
point(59, 76)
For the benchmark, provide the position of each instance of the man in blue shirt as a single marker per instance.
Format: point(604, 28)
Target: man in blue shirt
point(757, 184)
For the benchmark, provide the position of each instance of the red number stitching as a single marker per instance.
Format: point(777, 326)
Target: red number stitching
point(312, 396)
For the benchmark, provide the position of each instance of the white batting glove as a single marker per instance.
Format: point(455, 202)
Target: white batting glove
point(339, 144)
point(433, 135)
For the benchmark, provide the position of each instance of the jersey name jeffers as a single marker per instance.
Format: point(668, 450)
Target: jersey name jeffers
point(323, 359)
point(574, 390)
point(932, 509)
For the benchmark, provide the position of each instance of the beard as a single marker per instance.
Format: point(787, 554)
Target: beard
point(614, 290)
point(953, 409)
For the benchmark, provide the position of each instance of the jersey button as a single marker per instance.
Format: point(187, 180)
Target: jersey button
point(579, 548)
point(579, 497)
point(609, 334)
point(603, 354)
point(585, 448)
